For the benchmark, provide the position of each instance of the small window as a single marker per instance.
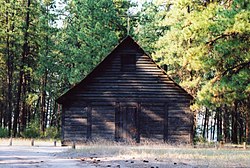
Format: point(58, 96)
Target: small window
point(128, 62)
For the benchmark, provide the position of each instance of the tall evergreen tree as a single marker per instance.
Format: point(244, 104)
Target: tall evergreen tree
point(206, 51)
point(91, 30)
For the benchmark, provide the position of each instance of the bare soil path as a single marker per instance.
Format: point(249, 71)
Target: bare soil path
point(22, 155)
point(45, 155)
point(36, 156)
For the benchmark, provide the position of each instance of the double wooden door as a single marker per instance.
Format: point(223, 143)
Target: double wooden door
point(127, 128)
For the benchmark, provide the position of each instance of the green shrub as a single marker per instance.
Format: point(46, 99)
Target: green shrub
point(32, 131)
point(52, 133)
point(3, 132)
point(199, 139)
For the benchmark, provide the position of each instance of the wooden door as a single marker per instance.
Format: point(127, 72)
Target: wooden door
point(128, 123)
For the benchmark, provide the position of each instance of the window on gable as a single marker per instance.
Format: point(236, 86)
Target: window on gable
point(128, 62)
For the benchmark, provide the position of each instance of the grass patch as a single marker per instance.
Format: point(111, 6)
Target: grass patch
point(165, 154)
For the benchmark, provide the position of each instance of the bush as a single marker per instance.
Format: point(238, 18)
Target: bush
point(3, 132)
point(199, 139)
point(52, 133)
point(32, 131)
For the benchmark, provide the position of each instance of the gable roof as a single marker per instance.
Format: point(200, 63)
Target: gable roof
point(127, 39)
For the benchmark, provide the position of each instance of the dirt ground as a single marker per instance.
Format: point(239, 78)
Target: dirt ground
point(43, 154)
point(61, 157)
point(31, 157)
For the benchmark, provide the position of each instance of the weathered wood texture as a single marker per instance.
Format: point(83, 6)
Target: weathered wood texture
point(96, 106)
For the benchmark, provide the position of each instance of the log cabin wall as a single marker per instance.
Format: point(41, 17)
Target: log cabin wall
point(127, 97)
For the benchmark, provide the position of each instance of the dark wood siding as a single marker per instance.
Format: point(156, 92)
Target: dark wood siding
point(152, 120)
point(103, 120)
point(162, 106)
point(75, 121)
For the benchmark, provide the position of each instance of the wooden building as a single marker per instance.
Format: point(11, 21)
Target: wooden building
point(127, 97)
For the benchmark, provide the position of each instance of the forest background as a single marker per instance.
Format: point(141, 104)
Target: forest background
point(47, 46)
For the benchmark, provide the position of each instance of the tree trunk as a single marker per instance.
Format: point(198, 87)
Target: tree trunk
point(28, 116)
point(241, 129)
point(6, 115)
point(214, 126)
point(24, 108)
point(43, 116)
point(47, 111)
point(248, 121)
point(36, 110)
point(220, 116)
point(234, 124)
point(219, 124)
point(25, 105)
point(207, 131)
point(226, 124)
point(50, 117)
point(205, 124)
point(53, 120)
point(43, 102)
point(17, 110)
point(1, 114)
point(9, 74)
point(58, 119)
point(211, 130)
point(21, 73)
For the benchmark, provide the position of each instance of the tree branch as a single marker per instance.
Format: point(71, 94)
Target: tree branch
point(233, 70)
point(211, 42)
point(236, 69)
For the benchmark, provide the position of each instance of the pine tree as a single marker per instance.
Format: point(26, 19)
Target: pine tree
point(206, 51)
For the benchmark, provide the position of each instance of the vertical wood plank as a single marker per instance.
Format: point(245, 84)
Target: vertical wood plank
point(138, 122)
point(89, 120)
point(63, 121)
point(124, 123)
point(120, 128)
point(117, 120)
point(165, 122)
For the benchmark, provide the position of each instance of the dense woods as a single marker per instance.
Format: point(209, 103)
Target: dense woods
point(47, 46)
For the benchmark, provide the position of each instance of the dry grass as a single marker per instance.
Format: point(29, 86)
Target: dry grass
point(163, 155)
point(110, 154)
